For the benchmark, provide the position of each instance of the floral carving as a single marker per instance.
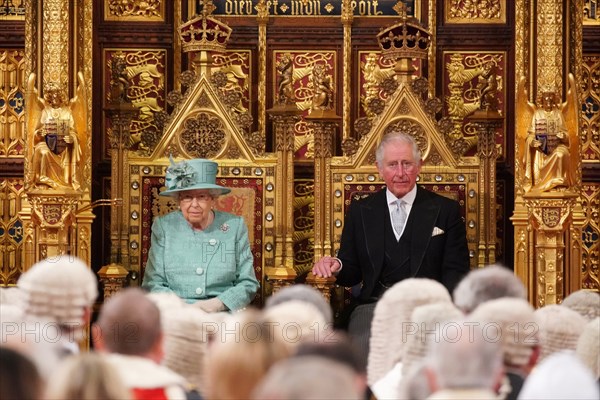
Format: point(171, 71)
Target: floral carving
point(188, 78)
point(202, 136)
point(362, 126)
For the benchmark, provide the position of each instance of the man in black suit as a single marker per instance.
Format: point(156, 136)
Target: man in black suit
point(399, 232)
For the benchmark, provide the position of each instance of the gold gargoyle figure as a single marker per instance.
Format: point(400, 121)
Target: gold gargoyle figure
point(56, 135)
point(548, 140)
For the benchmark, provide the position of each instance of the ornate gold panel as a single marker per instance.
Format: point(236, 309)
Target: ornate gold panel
point(475, 12)
point(12, 94)
point(590, 113)
point(304, 224)
point(12, 10)
point(376, 81)
point(463, 73)
point(303, 88)
point(590, 268)
point(134, 10)
point(11, 230)
point(591, 12)
point(146, 70)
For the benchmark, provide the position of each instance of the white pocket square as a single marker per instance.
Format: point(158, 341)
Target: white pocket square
point(437, 231)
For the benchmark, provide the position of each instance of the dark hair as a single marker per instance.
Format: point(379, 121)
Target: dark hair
point(337, 348)
point(19, 377)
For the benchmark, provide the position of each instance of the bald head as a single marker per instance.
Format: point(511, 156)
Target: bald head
point(129, 323)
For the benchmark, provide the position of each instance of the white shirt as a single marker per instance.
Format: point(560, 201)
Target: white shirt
point(409, 199)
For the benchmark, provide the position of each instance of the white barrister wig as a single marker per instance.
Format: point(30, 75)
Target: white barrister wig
point(390, 318)
point(58, 289)
point(515, 323)
point(585, 302)
point(560, 328)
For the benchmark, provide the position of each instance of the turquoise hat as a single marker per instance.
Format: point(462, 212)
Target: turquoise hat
point(191, 175)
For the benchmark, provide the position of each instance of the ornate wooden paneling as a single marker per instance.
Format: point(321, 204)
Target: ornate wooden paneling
point(12, 94)
point(463, 79)
point(11, 230)
point(590, 111)
point(475, 12)
point(590, 268)
point(146, 70)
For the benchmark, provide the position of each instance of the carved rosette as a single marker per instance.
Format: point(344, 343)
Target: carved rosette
point(202, 136)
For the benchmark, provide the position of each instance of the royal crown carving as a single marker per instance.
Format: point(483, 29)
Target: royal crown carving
point(204, 32)
point(406, 39)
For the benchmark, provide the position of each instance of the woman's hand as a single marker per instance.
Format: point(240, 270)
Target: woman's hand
point(211, 305)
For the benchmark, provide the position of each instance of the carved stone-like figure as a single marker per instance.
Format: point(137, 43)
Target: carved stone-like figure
point(285, 92)
point(548, 141)
point(322, 91)
point(488, 88)
point(56, 134)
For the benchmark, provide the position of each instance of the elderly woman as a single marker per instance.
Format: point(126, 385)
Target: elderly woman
point(200, 254)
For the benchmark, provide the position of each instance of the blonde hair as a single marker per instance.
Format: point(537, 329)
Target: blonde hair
point(238, 360)
point(86, 376)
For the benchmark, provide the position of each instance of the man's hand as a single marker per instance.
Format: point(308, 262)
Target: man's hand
point(326, 267)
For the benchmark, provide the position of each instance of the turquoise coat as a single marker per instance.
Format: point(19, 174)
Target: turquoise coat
point(197, 265)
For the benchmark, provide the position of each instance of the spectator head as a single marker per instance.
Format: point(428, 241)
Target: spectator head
point(415, 385)
point(560, 328)
point(488, 283)
point(241, 355)
point(61, 290)
point(19, 378)
point(302, 293)
point(295, 321)
point(186, 331)
point(418, 334)
point(584, 302)
point(588, 349)
point(560, 376)
point(86, 376)
point(392, 313)
point(336, 347)
point(10, 295)
point(129, 324)
point(166, 301)
point(308, 378)
point(470, 362)
point(514, 321)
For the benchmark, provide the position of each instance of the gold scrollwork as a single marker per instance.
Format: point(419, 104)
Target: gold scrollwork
point(145, 72)
point(134, 10)
point(464, 93)
point(476, 11)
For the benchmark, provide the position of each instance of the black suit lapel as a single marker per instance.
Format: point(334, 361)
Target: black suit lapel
point(423, 215)
point(373, 220)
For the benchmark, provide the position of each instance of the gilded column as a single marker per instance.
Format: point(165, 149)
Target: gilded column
point(263, 20)
point(283, 274)
point(549, 43)
point(347, 18)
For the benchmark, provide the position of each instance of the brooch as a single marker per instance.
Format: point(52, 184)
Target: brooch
point(224, 227)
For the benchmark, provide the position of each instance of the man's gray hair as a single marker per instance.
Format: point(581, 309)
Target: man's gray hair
point(488, 283)
point(470, 362)
point(304, 293)
point(397, 137)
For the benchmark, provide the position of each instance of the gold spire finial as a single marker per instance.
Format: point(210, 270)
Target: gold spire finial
point(401, 9)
